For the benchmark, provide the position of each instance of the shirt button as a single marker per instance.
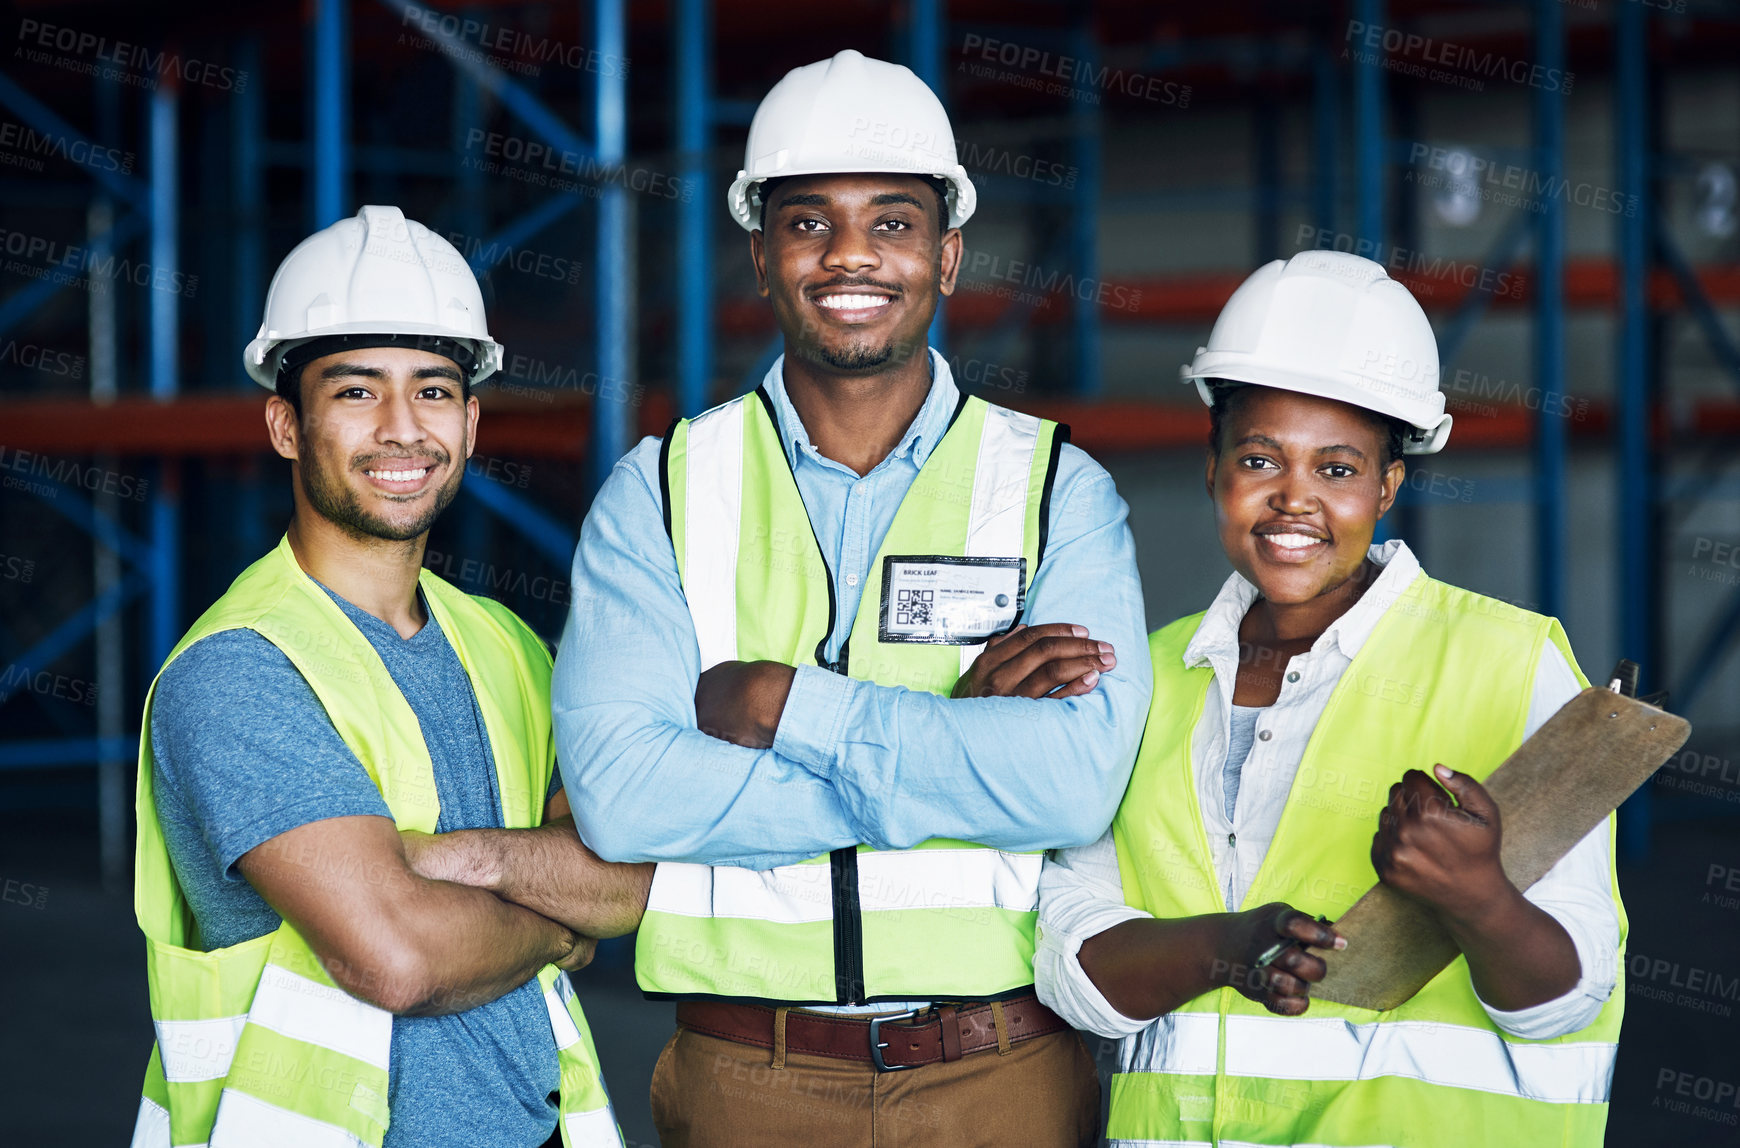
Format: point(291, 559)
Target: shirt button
point(851, 579)
point(1265, 735)
point(1294, 676)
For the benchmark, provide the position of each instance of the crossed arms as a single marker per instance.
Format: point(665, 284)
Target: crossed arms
point(428, 925)
point(424, 925)
point(850, 761)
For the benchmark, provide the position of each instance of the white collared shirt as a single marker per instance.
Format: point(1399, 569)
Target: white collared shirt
point(1081, 894)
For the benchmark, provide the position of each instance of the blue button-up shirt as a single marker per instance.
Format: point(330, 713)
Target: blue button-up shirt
point(853, 761)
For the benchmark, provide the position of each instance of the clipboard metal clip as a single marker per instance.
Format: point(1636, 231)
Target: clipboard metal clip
point(1623, 681)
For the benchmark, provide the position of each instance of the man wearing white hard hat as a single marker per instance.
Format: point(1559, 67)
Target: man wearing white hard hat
point(844, 656)
point(359, 888)
point(1283, 773)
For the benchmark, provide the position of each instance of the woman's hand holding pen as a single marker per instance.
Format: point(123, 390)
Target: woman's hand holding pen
point(1265, 956)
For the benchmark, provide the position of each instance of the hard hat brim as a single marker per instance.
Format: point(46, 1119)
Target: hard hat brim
point(963, 196)
point(263, 354)
point(1429, 436)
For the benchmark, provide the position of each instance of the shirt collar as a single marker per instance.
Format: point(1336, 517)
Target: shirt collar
point(1217, 638)
point(921, 437)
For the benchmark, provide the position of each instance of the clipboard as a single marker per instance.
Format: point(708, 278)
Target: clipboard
point(1558, 785)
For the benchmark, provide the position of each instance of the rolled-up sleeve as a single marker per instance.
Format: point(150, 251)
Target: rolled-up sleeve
point(1577, 892)
point(1080, 897)
point(645, 784)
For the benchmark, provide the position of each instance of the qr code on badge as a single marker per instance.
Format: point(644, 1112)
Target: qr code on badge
point(912, 608)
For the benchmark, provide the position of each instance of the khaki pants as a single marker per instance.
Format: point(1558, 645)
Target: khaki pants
point(712, 1093)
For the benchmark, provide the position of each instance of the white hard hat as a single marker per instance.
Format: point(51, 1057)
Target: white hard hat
point(1336, 325)
point(377, 279)
point(850, 114)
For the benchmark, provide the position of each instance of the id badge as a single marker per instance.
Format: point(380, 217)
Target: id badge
point(944, 600)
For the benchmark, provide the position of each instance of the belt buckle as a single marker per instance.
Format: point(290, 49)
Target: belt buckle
point(876, 1046)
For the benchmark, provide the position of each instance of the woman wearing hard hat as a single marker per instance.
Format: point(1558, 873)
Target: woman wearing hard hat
point(1291, 719)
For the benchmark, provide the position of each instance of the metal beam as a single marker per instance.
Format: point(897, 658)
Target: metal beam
point(519, 102)
point(1718, 641)
point(470, 206)
point(692, 36)
point(1473, 303)
point(164, 625)
point(1266, 174)
point(106, 571)
point(1325, 138)
point(926, 27)
point(62, 716)
point(63, 637)
point(998, 345)
point(248, 266)
point(101, 527)
point(614, 264)
point(1368, 135)
point(1407, 518)
point(543, 530)
point(21, 304)
point(1084, 221)
point(1369, 161)
point(500, 245)
point(329, 85)
point(1722, 344)
point(1552, 530)
point(63, 751)
point(471, 526)
point(1635, 464)
point(40, 117)
point(165, 186)
point(248, 191)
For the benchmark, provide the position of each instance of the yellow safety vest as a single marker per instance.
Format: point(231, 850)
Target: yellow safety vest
point(256, 1045)
point(947, 920)
point(1446, 676)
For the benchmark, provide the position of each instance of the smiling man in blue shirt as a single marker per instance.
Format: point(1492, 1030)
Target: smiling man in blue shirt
point(844, 657)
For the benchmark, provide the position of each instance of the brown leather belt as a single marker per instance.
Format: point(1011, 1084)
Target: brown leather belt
point(943, 1034)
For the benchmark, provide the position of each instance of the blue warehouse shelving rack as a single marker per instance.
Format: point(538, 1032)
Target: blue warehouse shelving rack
point(683, 103)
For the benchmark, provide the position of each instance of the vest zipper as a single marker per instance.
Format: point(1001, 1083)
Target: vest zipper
point(848, 927)
point(842, 863)
point(848, 909)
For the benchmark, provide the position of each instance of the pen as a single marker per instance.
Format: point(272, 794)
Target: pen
point(1275, 950)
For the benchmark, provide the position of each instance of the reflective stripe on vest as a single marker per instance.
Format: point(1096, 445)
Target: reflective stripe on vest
point(890, 880)
point(944, 920)
point(1446, 676)
point(1307, 1048)
point(256, 1045)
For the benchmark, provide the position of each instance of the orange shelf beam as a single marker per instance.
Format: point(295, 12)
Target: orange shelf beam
point(1441, 285)
point(217, 425)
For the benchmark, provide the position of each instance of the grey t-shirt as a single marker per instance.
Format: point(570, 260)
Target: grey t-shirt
point(243, 751)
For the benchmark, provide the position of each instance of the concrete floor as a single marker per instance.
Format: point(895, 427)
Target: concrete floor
point(77, 1029)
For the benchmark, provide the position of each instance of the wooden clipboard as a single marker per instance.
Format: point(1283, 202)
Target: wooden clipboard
point(1556, 787)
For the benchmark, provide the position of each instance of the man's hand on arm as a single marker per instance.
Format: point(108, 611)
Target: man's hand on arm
point(392, 937)
point(742, 702)
point(1000, 770)
point(1445, 855)
point(1150, 966)
point(548, 870)
point(1056, 660)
